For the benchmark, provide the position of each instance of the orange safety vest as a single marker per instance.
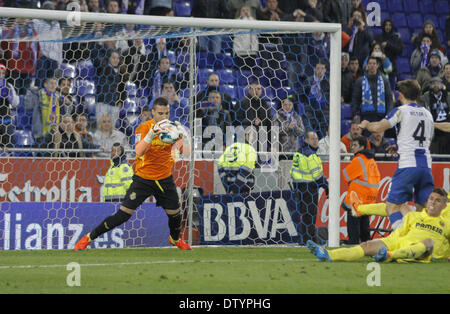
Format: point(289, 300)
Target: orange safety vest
point(364, 177)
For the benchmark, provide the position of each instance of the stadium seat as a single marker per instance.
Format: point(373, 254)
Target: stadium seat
point(399, 19)
point(241, 92)
point(442, 7)
point(23, 139)
point(183, 59)
point(68, 70)
point(391, 141)
point(405, 33)
point(415, 20)
point(85, 70)
point(410, 6)
point(346, 112)
point(227, 76)
point(202, 75)
point(131, 89)
point(383, 4)
point(403, 65)
point(345, 126)
point(205, 59)
point(281, 93)
point(182, 8)
point(85, 87)
point(426, 6)
point(442, 21)
point(300, 109)
point(223, 60)
point(130, 105)
point(172, 56)
point(89, 104)
point(229, 89)
point(395, 6)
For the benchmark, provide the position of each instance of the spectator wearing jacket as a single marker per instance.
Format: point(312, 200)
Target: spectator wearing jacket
point(363, 177)
point(372, 96)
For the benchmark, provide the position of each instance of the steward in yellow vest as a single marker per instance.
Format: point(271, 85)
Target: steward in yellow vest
point(118, 177)
point(307, 177)
point(236, 166)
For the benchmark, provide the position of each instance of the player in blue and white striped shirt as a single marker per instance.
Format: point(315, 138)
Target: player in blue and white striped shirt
point(413, 178)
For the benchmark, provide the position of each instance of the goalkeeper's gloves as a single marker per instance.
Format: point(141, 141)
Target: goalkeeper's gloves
point(155, 130)
point(184, 134)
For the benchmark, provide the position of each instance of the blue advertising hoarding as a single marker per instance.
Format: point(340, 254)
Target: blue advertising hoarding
point(28, 226)
point(257, 218)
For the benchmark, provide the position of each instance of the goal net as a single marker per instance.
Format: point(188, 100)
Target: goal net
point(74, 83)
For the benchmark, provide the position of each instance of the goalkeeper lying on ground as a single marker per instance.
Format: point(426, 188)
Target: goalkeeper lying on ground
point(422, 236)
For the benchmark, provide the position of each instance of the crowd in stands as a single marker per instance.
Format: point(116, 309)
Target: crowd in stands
point(91, 94)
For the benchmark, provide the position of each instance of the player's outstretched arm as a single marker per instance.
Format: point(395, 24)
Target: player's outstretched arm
point(443, 126)
point(379, 126)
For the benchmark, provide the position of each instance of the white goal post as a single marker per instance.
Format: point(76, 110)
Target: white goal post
point(224, 25)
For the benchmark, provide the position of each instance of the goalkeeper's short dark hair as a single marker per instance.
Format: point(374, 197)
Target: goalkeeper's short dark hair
point(160, 101)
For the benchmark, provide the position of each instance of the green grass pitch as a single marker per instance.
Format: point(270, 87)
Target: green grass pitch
point(210, 270)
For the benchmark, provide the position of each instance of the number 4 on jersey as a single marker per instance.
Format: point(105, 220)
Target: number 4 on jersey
point(419, 133)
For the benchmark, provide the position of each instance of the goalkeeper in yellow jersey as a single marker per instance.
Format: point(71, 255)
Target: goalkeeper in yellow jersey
point(422, 236)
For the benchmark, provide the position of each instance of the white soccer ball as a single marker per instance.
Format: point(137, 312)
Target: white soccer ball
point(170, 133)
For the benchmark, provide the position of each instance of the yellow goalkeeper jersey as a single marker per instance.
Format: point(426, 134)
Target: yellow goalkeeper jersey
point(418, 226)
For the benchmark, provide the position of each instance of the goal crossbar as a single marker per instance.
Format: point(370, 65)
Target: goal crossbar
point(232, 25)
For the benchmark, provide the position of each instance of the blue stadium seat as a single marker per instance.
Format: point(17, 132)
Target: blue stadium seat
point(403, 65)
point(205, 60)
point(442, 21)
point(300, 108)
point(68, 70)
point(130, 106)
point(426, 6)
point(227, 76)
point(410, 6)
point(414, 20)
point(269, 93)
point(182, 8)
point(390, 140)
point(442, 7)
point(399, 19)
point(383, 4)
point(346, 112)
point(23, 139)
point(85, 87)
point(345, 126)
point(281, 93)
point(241, 92)
point(172, 56)
point(223, 60)
point(229, 89)
point(183, 59)
point(405, 34)
point(395, 6)
point(202, 75)
point(131, 89)
point(89, 103)
point(86, 70)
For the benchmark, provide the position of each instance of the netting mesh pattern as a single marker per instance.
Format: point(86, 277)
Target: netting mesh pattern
point(72, 92)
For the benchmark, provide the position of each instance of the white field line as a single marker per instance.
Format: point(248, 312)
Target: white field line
point(159, 262)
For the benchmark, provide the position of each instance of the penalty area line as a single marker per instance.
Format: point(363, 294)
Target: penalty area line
point(158, 262)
